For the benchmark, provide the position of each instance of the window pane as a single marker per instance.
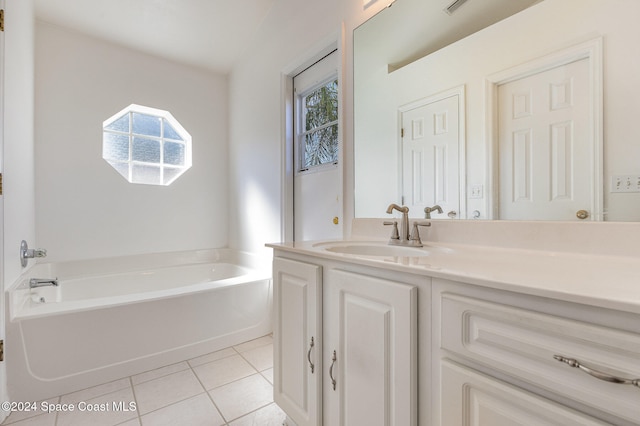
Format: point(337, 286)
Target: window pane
point(146, 150)
point(147, 125)
point(321, 106)
point(145, 174)
point(122, 168)
point(115, 146)
point(170, 132)
point(120, 125)
point(174, 153)
point(321, 147)
point(170, 175)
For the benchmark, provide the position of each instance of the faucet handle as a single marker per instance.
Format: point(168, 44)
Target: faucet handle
point(394, 233)
point(415, 234)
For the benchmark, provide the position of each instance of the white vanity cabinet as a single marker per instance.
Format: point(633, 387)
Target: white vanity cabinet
point(498, 360)
point(297, 331)
point(365, 326)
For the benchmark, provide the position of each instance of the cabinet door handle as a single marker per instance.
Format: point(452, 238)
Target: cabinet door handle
point(311, 366)
point(334, 358)
point(597, 374)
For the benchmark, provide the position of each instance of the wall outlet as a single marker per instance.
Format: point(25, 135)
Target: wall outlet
point(476, 191)
point(625, 183)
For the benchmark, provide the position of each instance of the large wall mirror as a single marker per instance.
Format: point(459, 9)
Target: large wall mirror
point(499, 109)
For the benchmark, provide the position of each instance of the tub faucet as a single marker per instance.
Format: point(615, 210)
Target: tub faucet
point(27, 253)
point(41, 282)
point(403, 235)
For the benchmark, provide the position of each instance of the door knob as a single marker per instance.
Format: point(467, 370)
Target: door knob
point(582, 214)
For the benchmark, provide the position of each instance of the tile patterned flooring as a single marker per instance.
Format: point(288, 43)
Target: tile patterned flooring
point(233, 387)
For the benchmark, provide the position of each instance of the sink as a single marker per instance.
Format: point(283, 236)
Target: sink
point(374, 249)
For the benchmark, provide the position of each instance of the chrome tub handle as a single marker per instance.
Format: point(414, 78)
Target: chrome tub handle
point(597, 374)
point(311, 366)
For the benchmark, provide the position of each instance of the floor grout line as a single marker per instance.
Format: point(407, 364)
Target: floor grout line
point(188, 366)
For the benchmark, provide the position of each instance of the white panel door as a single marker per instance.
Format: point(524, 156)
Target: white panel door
point(3, 375)
point(545, 148)
point(430, 157)
point(297, 328)
point(317, 190)
point(370, 351)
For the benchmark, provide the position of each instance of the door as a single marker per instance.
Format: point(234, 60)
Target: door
point(545, 146)
point(3, 375)
point(317, 182)
point(369, 351)
point(431, 140)
point(297, 328)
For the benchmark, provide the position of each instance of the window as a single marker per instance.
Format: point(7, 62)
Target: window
point(319, 130)
point(146, 145)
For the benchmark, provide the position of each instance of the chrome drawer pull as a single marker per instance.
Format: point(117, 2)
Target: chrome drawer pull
point(598, 374)
point(334, 358)
point(309, 355)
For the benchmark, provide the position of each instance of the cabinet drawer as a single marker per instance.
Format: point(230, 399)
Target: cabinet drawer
point(522, 343)
point(475, 399)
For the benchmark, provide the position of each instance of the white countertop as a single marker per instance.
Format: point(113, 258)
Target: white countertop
point(594, 279)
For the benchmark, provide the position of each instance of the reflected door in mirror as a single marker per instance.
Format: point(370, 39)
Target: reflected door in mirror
point(544, 144)
point(430, 169)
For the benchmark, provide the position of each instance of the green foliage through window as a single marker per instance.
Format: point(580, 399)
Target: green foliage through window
point(320, 137)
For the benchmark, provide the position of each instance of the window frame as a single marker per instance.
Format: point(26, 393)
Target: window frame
point(130, 163)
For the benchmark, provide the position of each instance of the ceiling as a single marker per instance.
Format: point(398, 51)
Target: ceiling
point(211, 34)
point(412, 29)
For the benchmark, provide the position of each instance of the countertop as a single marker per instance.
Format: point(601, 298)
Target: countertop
point(594, 279)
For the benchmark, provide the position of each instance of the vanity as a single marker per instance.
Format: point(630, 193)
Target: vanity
point(490, 323)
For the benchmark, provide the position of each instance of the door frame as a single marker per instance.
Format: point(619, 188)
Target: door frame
point(590, 50)
point(462, 141)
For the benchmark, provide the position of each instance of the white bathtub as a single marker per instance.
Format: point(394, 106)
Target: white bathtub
point(110, 318)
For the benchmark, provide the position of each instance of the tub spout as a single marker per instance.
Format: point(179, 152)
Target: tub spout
point(41, 282)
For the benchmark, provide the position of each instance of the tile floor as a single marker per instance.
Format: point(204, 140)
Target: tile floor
point(230, 387)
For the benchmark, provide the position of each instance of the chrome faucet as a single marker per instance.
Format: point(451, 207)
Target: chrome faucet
point(403, 235)
point(27, 253)
point(428, 210)
point(41, 282)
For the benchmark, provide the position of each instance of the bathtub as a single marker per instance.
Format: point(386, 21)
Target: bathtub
point(111, 318)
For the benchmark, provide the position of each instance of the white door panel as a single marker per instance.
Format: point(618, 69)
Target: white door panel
point(430, 157)
point(545, 148)
point(317, 193)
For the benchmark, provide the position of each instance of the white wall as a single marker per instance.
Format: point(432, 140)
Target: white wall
point(19, 204)
point(294, 31)
point(85, 209)
point(545, 28)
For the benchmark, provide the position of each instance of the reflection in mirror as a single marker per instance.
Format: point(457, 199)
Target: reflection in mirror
point(507, 121)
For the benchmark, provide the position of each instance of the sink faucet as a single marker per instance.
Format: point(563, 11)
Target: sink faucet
point(403, 238)
point(428, 210)
point(404, 224)
point(41, 282)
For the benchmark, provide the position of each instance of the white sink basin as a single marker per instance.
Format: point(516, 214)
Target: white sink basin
point(374, 249)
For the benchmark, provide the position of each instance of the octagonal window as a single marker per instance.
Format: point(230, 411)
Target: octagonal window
point(146, 145)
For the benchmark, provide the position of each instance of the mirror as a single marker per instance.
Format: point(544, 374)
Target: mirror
point(460, 70)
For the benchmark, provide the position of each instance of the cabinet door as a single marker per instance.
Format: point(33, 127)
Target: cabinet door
point(371, 324)
point(297, 328)
point(469, 398)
